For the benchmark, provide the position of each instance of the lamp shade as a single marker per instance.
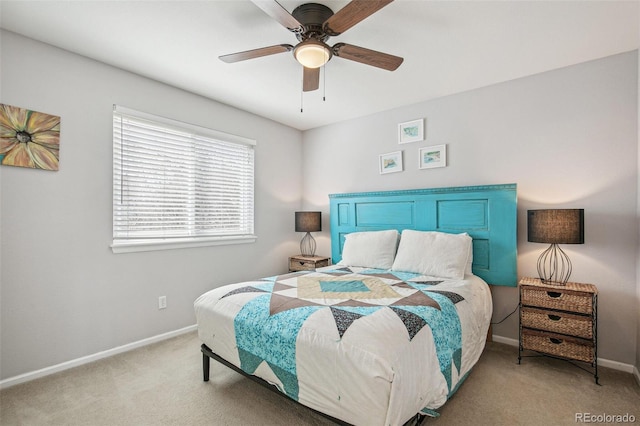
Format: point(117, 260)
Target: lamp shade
point(308, 221)
point(556, 226)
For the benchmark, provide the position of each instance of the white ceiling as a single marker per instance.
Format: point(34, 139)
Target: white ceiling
point(448, 47)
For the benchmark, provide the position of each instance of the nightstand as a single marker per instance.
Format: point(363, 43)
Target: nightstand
point(307, 263)
point(559, 321)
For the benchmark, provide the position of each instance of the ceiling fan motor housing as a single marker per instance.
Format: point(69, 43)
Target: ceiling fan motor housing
point(312, 17)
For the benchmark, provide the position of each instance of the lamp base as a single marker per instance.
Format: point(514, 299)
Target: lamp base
point(308, 245)
point(554, 266)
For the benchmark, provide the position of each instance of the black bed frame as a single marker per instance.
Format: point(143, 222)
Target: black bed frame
point(207, 354)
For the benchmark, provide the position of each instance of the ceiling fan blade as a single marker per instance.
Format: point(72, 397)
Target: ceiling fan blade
point(351, 14)
point(256, 53)
point(280, 14)
point(310, 79)
point(367, 56)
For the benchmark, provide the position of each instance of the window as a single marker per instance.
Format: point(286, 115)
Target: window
point(178, 185)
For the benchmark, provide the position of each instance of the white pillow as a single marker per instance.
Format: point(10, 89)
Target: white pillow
point(469, 270)
point(433, 253)
point(374, 249)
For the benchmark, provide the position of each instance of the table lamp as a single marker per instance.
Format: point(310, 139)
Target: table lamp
point(308, 222)
point(555, 226)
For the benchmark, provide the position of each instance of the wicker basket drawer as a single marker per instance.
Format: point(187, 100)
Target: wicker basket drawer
point(558, 345)
point(558, 322)
point(566, 300)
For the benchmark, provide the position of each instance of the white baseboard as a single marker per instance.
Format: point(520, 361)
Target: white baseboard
point(22, 378)
point(11, 381)
point(615, 365)
point(505, 340)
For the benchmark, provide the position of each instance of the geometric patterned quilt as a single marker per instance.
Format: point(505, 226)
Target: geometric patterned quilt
point(267, 327)
point(366, 346)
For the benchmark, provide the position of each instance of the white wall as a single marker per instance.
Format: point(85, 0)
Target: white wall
point(568, 138)
point(64, 294)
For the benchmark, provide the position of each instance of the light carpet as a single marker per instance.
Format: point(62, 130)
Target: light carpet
point(161, 384)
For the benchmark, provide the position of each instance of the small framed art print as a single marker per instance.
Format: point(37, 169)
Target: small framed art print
point(411, 131)
point(390, 162)
point(433, 156)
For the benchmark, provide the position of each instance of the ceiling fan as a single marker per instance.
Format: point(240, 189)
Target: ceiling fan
point(313, 24)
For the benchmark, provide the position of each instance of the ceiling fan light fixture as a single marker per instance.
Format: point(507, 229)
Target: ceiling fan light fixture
point(312, 53)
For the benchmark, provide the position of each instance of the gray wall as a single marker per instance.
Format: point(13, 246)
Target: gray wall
point(568, 138)
point(64, 294)
point(637, 369)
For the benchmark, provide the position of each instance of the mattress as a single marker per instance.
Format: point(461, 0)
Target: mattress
point(366, 346)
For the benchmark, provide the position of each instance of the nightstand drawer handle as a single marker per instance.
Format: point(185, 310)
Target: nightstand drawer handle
point(301, 263)
point(554, 317)
point(554, 294)
point(555, 341)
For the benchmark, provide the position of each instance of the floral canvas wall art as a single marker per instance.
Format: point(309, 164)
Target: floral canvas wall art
point(29, 138)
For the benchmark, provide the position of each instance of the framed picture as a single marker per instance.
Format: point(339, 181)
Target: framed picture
point(391, 162)
point(411, 131)
point(29, 138)
point(433, 156)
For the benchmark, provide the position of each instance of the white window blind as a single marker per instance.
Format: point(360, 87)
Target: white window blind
point(175, 184)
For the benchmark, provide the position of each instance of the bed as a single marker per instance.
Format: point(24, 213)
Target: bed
point(391, 330)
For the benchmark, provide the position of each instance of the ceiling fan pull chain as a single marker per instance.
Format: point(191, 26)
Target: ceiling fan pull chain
point(301, 101)
point(324, 82)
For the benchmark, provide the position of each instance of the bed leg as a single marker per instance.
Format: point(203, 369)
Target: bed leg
point(205, 366)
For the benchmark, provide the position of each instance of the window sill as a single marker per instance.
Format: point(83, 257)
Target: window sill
point(131, 246)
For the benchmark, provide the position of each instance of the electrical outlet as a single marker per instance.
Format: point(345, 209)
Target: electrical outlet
point(162, 302)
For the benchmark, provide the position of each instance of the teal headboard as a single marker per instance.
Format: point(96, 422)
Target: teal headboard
point(488, 213)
